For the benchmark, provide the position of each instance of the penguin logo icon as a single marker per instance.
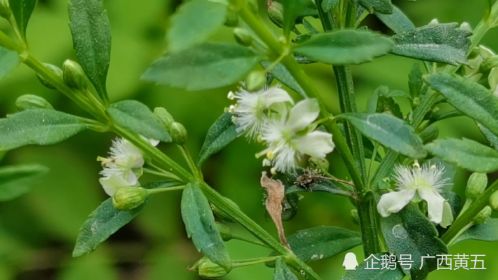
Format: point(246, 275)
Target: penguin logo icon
point(350, 262)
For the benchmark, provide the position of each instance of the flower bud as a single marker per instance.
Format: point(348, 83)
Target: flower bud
point(276, 13)
point(476, 184)
point(225, 231)
point(429, 133)
point(242, 36)
point(55, 70)
point(465, 26)
point(483, 215)
point(127, 198)
point(208, 269)
point(30, 101)
point(256, 80)
point(493, 201)
point(164, 116)
point(355, 216)
point(73, 75)
point(178, 133)
point(5, 9)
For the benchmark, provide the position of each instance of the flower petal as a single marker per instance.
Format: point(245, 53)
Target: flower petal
point(435, 204)
point(393, 202)
point(316, 144)
point(112, 183)
point(303, 114)
point(276, 95)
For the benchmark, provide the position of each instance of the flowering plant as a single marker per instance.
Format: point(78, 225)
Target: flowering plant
point(400, 173)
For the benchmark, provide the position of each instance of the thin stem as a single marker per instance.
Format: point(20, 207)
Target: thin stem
point(168, 189)
point(467, 217)
point(190, 161)
point(246, 262)
point(161, 173)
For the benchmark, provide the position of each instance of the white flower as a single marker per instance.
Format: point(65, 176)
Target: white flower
point(416, 183)
point(253, 108)
point(290, 138)
point(123, 167)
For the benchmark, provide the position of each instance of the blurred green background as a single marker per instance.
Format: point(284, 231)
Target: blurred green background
point(38, 230)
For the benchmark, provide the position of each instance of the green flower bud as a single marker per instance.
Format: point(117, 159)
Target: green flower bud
point(429, 133)
point(483, 215)
point(178, 133)
point(276, 13)
point(355, 216)
point(256, 80)
point(55, 70)
point(5, 9)
point(242, 36)
point(476, 184)
point(164, 116)
point(73, 75)
point(208, 269)
point(493, 201)
point(225, 231)
point(30, 101)
point(489, 63)
point(127, 198)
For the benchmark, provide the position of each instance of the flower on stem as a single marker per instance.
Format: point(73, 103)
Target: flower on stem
point(252, 109)
point(417, 183)
point(291, 137)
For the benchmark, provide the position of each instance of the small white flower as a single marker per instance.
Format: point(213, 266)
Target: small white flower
point(253, 108)
point(123, 167)
point(290, 137)
point(416, 183)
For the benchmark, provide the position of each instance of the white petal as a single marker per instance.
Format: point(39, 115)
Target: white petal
point(393, 202)
point(435, 204)
point(112, 183)
point(316, 144)
point(303, 114)
point(276, 95)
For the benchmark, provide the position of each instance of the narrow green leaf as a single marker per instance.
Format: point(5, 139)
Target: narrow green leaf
point(37, 126)
point(284, 76)
point(322, 242)
point(294, 9)
point(327, 5)
point(194, 22)
point(204, 66)
point(381, 6)
point(435, 42)
point(492, 138)
point(91, 33)
point(364, 271)
point(100, 225)
point(344, 46)
point(415, 81)
point(410, 233)
point(465, 153)
point(282, 271)
point(22, 10)
point(15, 180)
point(199, 223)
point(8, 61)
point(219, 135)
point(390, 131)
point(397, 21)
point(469, 97)
point(139, 118)
point(487, 231)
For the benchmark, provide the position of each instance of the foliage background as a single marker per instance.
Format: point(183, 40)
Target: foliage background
point(38, 230)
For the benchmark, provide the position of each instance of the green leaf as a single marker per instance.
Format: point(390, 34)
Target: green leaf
point(415, 81)
point(15, 180)
point(344, 46)
point(322, 242)
point(91, 33)
point(22, 10)
point(282, 271)
point(397, 21)
point(327, 5)
point(194, 22)
point(200, 226)
point(410, 233)
point(292, 10)
point(492, 138)
point(381, 6)
point(102, 223)
point(487, 231)
point(435, 42)
point(139, 118)
point(465, 153)
point(284, 76)
point(204, 66)
point(37, 126)
point(220, 134)
point(363, 271)
point(8, 61)
point(390, 131)
point(469, 97)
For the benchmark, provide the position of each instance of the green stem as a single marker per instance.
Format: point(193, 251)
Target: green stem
point(168, 189)
point(468, 216)
point(161, 173)
point(247, 262)
point(190, 161)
